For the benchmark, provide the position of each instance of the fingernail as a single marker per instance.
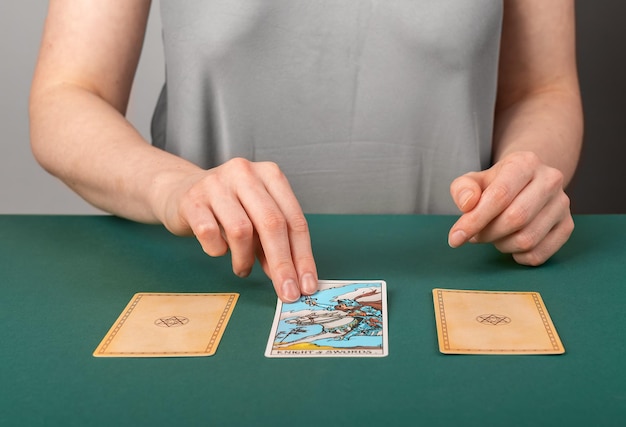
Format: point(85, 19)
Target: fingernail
point(465, 197)
point(290, 291)
point(457, 238)
point(309, 284)
point(244, 273)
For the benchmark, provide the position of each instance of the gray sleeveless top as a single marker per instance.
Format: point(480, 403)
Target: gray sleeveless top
point(368, 106)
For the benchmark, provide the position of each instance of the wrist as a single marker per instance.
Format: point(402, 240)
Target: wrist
point(166, 188)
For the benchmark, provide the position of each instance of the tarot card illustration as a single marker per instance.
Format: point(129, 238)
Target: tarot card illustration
point(343, 319)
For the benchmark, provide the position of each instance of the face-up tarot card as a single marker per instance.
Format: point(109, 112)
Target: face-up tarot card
point(343, 319)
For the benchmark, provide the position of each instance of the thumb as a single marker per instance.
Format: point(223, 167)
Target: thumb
point(466, 191)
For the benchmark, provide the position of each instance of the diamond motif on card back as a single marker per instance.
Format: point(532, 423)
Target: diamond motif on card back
point(493, 319)
point(171, 322)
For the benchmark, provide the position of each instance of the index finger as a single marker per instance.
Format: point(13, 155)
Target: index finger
point(501, 185)
point(298, 230)
point(283, 233)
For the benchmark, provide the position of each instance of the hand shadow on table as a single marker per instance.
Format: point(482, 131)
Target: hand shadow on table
point(432, 258)
point(583, 244)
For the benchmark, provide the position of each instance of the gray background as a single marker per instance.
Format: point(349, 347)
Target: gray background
point(26, 189)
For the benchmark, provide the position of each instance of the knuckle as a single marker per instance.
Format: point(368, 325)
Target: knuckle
point(532, 259)
point(529, 157)
point(281, 268)
point(516, 217)
point(565, 202)
point(239, 163)
point(523, 163)
point(270, 166)
point(274, 222)
point(242, 230)
point(298, 224)
point(554, 179)
point(196, 197)
point(525, 241)
point(238, 168)
point(305, 262)
point(563, 230)
point(192, 198)
point(569, 225)
point(243, 267)
point(211, 241)
point(500, 193)
point(272, 171)
point(206, 231)
point(524, 159)
point(215, 250)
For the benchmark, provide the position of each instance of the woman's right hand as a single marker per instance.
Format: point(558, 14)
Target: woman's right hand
point(250, 209)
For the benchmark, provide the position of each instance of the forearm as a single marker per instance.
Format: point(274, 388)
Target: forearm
point(549, 124)
point(89, 145)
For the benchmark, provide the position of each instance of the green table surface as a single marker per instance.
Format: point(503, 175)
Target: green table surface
point(65, 279)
